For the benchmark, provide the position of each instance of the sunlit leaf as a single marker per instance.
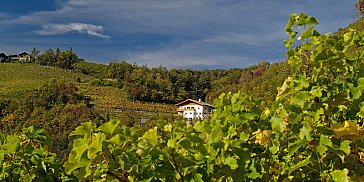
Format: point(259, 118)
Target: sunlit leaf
point(340, 175)
point(109, 127)
point(231, 162)
point(151, 136)
point(96, 145)
point(345, 146)
point(350, 130)
point(84, 130)
point(12, 143)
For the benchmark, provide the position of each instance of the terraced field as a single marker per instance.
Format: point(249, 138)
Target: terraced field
point(111, 98)
point(18, 78)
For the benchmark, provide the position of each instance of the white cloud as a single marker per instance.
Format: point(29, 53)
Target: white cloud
point(55, 29)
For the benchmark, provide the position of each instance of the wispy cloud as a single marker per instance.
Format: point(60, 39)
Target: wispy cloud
point(175, 59)
point(251, 39)
point(82, 28)
point(190, 54)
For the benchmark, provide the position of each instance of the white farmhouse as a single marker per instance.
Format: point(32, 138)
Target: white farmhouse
point(192, 109)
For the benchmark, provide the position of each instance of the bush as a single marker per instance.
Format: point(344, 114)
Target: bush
point(96, 82)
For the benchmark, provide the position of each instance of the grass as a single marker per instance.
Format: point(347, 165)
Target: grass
point(18, 78)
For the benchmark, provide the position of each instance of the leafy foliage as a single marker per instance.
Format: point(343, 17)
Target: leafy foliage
point(25, 157)
point(56, 107)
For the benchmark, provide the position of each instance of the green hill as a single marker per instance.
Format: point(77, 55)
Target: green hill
point(18, 78)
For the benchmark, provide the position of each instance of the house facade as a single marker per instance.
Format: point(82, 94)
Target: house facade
point(192, 109)
point(13, 58)
point(24, 57)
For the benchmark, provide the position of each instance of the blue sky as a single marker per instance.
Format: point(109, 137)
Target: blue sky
point(198, 34)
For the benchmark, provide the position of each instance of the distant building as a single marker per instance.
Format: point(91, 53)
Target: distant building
point(13, 58)
point(24, 57)
point(192, 109)
point(3, 58)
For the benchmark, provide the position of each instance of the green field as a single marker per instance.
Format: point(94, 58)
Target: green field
point(17, 78)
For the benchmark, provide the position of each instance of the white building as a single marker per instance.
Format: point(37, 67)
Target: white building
point(192, 109)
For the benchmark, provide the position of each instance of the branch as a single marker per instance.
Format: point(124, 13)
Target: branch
point(115, 176)
point(175, 166)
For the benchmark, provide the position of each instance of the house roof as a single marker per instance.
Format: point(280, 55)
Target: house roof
point(23, 54)
point(3, 55)
point(194, 101)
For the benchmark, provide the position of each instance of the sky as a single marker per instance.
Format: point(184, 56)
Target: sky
point(196, 34)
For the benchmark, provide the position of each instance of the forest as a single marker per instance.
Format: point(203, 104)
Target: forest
point(298, 120)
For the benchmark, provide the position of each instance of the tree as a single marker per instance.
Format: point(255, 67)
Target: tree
point(47, 58)
point(360, 7)
point(34, 54)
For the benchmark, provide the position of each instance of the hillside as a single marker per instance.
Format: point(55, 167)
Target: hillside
point(358, 25)
point(17, 78)
point(59, 100)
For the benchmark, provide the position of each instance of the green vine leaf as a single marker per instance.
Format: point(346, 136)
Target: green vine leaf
point(340, 175)
point(96, 145)
point(12, 144)
point(151, 137)
point(109, 127)
point(231, 162)
point(293, 147)
point(300, 164)
point(345, 146)
point(84, 130)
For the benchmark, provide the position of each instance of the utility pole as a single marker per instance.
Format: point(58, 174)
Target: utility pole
point(196, 93)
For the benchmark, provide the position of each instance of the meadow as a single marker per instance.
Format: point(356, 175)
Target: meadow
point(18, 78)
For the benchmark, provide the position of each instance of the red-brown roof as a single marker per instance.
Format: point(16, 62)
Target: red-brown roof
point(194, 101)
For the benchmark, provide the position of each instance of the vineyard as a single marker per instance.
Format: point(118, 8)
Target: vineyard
point(112, 98)
point(16, 78)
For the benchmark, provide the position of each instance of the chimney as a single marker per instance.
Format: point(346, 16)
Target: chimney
point(199, 100)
